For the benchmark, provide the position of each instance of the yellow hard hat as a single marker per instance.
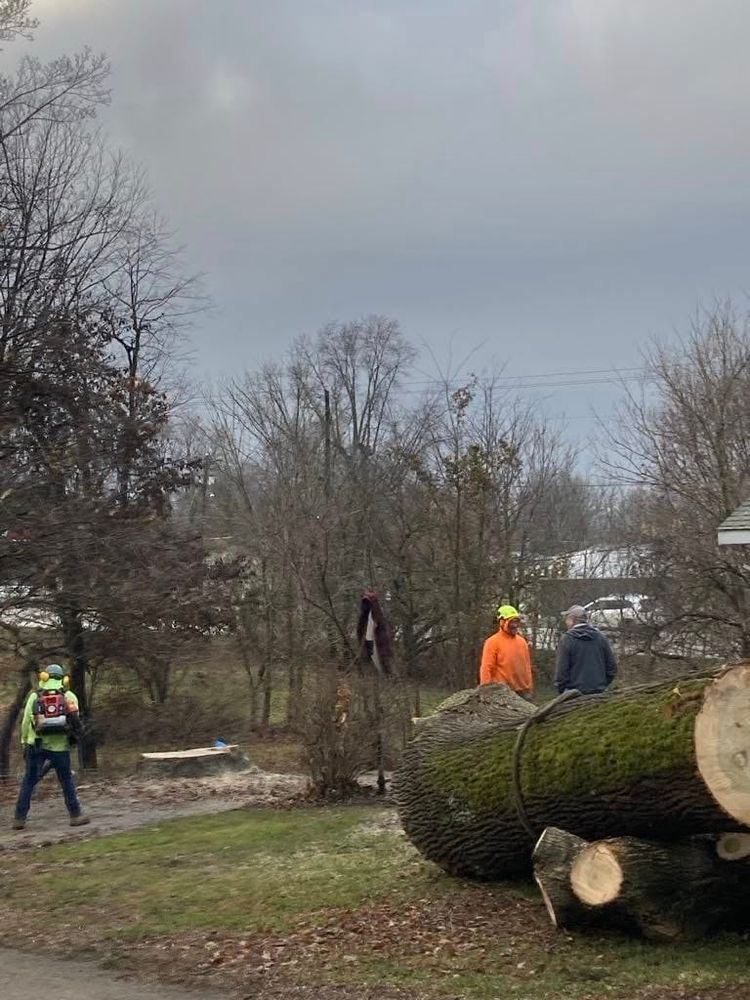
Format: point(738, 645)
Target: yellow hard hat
point(507, 611)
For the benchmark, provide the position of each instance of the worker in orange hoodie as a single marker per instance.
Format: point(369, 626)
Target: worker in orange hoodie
point(505, 656)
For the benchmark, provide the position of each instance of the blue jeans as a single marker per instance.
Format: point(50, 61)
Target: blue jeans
point(59, 760)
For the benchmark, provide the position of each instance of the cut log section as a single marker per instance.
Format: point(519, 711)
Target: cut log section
point(722, 741)
point(197, 763)
point(667, 891)
point(666, 762)
point(554, 855)
point(596, 878)
point(733, 846)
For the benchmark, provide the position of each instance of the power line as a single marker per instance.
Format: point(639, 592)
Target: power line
point(611, 485)
point(548, 382)
point(588, 416)
point(520, 384)
point(600, 374)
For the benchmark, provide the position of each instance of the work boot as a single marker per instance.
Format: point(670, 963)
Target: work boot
point(79, 820)
point(19, 824)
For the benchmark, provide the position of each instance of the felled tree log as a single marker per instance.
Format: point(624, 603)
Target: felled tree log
point(664, 762)
point(554, 855)
point(667, 891)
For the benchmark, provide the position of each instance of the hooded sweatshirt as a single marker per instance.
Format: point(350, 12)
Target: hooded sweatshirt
point(585, 660)
point(506, 660)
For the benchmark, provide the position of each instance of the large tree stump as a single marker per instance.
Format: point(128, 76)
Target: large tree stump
point(664, 762)
point(201, 762)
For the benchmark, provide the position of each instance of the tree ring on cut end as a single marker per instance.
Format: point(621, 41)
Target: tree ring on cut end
point(722, 742)
point(596, 875)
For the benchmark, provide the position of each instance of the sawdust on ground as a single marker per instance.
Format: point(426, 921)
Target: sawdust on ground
point(115, 807)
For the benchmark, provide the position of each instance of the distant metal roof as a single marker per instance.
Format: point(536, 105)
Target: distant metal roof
point(736, 529)
point(600, 563)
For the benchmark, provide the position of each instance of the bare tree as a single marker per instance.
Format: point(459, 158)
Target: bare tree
point(67, 89)
point(151, 298)
point(92, 297)
point(491, 465)
point(684, 443)
point(335, 485)
point(66, 206)
point(15, 20)
point(311, 434)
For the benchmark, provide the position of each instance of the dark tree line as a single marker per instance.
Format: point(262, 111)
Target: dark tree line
point(92, 302)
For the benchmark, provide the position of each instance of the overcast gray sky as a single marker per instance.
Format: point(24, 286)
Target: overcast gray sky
point(555, 180)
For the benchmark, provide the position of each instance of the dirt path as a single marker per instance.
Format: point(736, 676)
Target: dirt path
point(126, 805)
point(22, 976)
point(48, 822)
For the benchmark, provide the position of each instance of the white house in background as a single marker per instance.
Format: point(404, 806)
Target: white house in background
point(736, 529)
point(612, 582)
point(603, 563)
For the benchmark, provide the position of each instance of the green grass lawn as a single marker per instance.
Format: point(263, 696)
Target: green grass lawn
point(342, 895)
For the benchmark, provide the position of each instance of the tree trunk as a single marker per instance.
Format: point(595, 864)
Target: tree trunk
point(266, 672)
point(668, 892)
point(379, 739)
point(12, 715)
point(243, 644)
point(409, 646)
point(265, 720)
point(254, 702)
point(292, 706)
point(663, 762)
point(554, 854)
point(458, 617)
point(159, 682)
point(291, 650)
point(76, 649)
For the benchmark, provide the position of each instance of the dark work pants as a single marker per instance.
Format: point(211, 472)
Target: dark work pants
point(59, 761)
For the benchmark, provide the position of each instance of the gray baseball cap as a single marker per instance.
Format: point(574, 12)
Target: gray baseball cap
point(577, 611)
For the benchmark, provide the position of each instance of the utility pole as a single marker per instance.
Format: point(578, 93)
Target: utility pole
point(204, 489)
point(327, 431)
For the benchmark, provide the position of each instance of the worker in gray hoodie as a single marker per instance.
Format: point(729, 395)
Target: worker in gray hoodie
point(585, 661)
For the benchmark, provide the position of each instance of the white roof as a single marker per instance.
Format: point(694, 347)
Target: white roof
point(736, 529)
point(600, 563)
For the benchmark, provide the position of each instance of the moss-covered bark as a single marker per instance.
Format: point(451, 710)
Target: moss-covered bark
point(599, 766)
